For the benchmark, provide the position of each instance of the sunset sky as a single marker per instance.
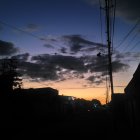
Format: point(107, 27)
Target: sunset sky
point(57, 42)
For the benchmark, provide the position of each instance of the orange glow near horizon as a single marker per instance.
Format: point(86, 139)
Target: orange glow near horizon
point(88, 94)
point(85, 93)
point(78, 89)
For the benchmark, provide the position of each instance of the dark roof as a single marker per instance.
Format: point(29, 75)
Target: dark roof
point(137, 72)
point(134, 84)
point(39, 91)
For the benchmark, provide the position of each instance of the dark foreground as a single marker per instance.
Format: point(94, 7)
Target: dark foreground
point(92, 124)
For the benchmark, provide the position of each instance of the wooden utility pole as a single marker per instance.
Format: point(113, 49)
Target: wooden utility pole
point(108, 7)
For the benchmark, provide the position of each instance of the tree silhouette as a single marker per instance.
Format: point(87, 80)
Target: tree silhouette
point(95, 103)
point(9, 77)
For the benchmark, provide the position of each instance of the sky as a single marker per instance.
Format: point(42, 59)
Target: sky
point(57, 42)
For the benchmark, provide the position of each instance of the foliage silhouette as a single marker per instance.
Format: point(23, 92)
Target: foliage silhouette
point(9, 77)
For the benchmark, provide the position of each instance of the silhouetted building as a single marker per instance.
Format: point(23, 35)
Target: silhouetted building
point(132, 92)
point(35, 103)
point(67, 104)
point(119, 100)
point(39, 92)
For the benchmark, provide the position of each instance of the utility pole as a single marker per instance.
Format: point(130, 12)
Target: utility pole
point(108, 6)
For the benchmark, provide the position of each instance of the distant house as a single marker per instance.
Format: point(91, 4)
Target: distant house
point(39, 91)
point(38, 102)
point(67, 104)
point(132, 92)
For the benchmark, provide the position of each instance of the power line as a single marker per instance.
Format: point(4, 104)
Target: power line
point(28, 33)
point(126, 48)
point(95, 87)
point(127, 35)
point(85, 87)
point(18, 29)
point(135, 46)
point(120, 86)
point(101, 21)
point(114, 19)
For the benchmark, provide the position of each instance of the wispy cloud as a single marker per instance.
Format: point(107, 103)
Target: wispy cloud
point(7, 48)
point(77, 42)
point(74, 44)
point(48, 46)
point(31, 27)
point(126, 56)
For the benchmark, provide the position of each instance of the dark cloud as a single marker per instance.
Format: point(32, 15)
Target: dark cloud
point(41, 71)
point(97, 64)
point(126, 9)
point(50, 39)
point(66, 62)
point(63, 50)
point(96, 79)
point(78, 39)
point(48, 46)
point(53, 67)
point(60, 67)
point(7, 48)
point(98, 82)
point(73, 44)
point(32, 28)
point(100, 64)
point(21, 57)
point(91, 78)
point(78, 43)
point(116, 65)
